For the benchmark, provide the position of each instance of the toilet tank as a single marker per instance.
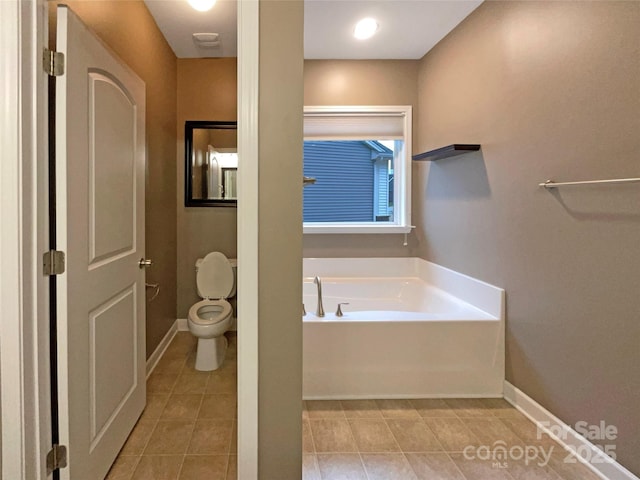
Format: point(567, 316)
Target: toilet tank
point(234, 267)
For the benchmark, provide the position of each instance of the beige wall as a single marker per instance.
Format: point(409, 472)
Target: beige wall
point(206, 91)
point(550, 90)
point(359, 82)
point(280, 241)
point(130, 31)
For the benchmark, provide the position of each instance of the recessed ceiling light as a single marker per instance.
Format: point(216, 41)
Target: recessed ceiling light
point(202, 5)
point(365, 28)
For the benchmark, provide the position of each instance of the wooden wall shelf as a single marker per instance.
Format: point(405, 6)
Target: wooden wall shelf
point(446, 152)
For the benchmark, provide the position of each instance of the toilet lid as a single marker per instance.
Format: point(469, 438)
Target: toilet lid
point(215, 276)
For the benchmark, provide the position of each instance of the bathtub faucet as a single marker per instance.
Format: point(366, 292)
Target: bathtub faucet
point(319, 310)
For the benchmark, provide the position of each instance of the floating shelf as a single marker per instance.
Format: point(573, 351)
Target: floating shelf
point(446, 152)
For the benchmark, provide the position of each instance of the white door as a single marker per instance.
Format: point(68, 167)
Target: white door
point(100, 163)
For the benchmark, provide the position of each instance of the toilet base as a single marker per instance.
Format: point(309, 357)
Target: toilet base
point(210, 353)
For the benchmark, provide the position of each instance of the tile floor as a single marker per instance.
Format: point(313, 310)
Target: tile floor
point(188, 432)
point(188, 429)
point(423, 439)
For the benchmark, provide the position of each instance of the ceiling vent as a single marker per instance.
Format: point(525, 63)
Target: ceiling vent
point(206, 40)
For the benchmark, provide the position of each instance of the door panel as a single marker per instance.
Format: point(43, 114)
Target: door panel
point(100, 163)
point(112, 356)
point(112, 161)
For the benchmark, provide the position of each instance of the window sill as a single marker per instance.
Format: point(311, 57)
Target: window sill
point(332, 228)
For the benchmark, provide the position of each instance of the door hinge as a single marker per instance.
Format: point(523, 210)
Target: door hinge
point(53, 63)
point(53, 262)
point(56, 458)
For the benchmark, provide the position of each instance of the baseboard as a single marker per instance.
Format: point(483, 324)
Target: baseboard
point(600, 463)
point(182, 325)
point(385, 396)
point(152, 361)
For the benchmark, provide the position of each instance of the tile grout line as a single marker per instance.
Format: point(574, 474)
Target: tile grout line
point(364, 468)
point(472, 435)
point(455, 465)
point(179, 455)
point(157, 420)
point(184, 456)
point(234, 421)
point(316, 453)
point(133, 470)
point(402, 451)
point(562, 477)
point(462, 418)
point(359, 453)
point(426, 425)
point(386, 422)
point(313, 440)
point(233, 425)
point(146, 444)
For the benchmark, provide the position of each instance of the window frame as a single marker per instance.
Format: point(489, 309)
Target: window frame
point(402, 174)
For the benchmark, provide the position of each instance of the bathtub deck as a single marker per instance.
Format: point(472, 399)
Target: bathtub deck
point(374, 296)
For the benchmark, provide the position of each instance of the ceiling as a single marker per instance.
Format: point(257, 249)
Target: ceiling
point(407, 28)
point(178, 22)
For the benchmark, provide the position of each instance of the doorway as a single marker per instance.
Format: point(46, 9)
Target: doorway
point(26, 435)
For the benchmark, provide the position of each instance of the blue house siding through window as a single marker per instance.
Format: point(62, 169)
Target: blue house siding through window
point(348, 182)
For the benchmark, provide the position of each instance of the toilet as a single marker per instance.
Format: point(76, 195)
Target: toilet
point(211, 317)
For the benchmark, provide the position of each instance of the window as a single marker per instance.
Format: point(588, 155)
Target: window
point(360, 159)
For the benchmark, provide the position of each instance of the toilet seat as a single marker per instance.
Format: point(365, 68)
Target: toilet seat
point(195, 315)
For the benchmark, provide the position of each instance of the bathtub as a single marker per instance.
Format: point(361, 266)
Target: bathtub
point(411, 329)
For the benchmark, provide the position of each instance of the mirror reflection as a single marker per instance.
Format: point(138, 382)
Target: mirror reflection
point(211, 163)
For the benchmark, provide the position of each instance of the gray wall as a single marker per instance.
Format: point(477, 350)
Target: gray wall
point(359, 82)
point(207, 90)
point(280, 241)
point(550, 90)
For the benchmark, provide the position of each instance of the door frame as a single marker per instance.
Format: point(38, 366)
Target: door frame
point(24, 342)
point(247, 234)
point(24, 399)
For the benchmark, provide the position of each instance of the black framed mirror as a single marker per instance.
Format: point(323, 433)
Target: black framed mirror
point(211, 164)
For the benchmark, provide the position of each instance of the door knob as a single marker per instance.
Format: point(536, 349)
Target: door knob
point(145, 263)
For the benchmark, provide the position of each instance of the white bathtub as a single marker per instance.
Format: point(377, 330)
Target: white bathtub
point(411, 329)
